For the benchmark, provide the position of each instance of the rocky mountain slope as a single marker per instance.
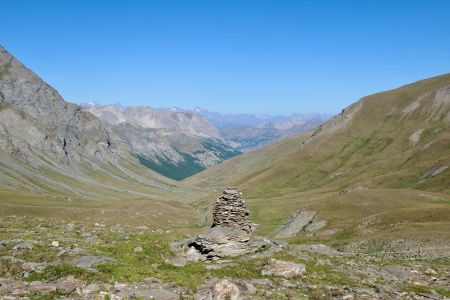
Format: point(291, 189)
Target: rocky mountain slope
point(247, 131)
point(175, 144)
point(54, 156)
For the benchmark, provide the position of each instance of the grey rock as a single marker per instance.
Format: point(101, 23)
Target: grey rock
point(137, 249)
point(66, 285)
point(22, 246)
point(10, 265)
point(8, 286)
point(314, 248)
point(41, 287)
point(88, 262)
point(223, 289)
point(90, 289)
point(219, 242)
point(398, 272)
point(143, 293)
point(34, 267)
point(303, 221)
point(284, 269)
point(69, 252)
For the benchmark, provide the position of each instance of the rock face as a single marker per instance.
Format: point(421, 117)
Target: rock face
point(303, 221)
point(230, 235)
point(48, 145)
point(230, 211)
point(34, 117)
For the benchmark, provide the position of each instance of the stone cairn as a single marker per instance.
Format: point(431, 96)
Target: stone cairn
point(230, 210)
point(231, 234)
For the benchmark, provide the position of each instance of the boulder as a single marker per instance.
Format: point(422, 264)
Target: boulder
point(284, 269)
point(222, 289)
point(22, 246)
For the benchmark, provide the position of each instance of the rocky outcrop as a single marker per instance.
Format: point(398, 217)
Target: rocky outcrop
point(34, 117)
point(303, 221)
point(230, 235)
point(48, 145)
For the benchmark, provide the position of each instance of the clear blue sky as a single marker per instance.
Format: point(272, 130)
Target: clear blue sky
point(270, 57)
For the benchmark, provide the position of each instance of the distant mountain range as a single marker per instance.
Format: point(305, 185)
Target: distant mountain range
point(175, 144)
point(243, 132)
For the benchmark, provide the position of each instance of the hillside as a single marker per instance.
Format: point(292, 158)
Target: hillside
point(383, 161)
point(58, 160)
point(403, 132)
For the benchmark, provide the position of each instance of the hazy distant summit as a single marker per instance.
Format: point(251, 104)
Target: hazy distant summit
point(243, 132)
point(250, 131)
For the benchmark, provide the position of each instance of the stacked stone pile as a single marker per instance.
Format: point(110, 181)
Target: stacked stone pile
point(230, 210)
point(231, 234)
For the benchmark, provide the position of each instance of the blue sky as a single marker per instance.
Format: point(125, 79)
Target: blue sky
point(265, 57)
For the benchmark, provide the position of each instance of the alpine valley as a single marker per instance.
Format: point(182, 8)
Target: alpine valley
point(111, 202)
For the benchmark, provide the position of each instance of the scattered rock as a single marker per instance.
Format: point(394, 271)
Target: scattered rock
point(398, 272)
point(41, 287)
point(22, 246)
point(10, 265)
point(137, 249)
point(430, 271)
point(55, 244)
point(90, 289)
point(88, 262)
point(144, 293)
point(70, 252)
point(314, 248)
point(284, 269)
point(223, 289)
point(66, 285)
point(34, 267)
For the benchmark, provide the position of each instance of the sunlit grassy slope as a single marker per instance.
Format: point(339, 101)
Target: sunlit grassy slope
point(386, 155)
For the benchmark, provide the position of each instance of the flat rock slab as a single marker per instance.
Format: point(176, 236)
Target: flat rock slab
point(88, 262)
point(142, 293)
point(296, 223)
point(220, 242)
point(219, 290)
point(398, 272)
point(282, 268)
